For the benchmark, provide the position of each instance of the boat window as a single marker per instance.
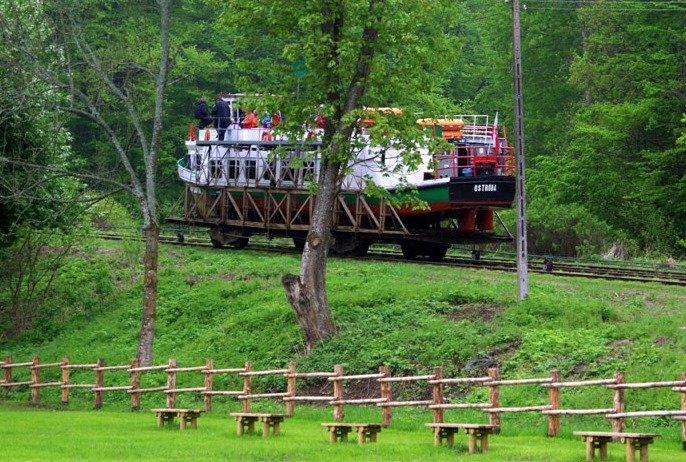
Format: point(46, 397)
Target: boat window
point(216, 169)
point(308, 171)
point(269, 170)
point(250, 169)
point(463, 156)
point(234, 168)
point(287, 172)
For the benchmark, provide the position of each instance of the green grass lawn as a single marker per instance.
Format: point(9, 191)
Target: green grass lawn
point(56, 435)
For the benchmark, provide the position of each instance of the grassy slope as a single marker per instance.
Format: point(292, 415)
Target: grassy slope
point(229, 306)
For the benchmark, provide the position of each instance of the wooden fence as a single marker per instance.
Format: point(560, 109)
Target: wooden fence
point(383, 381)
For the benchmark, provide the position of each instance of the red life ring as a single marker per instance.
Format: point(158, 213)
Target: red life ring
point(267, 135)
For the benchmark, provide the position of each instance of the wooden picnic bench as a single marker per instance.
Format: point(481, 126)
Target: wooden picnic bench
point(245, 422)
point(365, 431)
point(474, 432)
point(185, 416)
point(633, 442)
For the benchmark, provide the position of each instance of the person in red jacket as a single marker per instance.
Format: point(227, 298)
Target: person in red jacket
point(276, 119)
point(250, 120)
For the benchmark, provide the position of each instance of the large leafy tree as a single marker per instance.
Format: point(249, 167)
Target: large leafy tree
point(112, 67)
point(623, 148)
point(37, 203)
point(31, 136)
point(604, 94)
point(201, 54)
point(355, 53)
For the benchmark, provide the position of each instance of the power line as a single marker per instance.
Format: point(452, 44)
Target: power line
point(611, 6)
point(607, 2)
point(606, 9)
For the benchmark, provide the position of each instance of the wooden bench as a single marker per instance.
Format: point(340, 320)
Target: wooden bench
point(474, 432)
point(245, 422)
point(633, 442)
point(185, 416)
point(365, 432)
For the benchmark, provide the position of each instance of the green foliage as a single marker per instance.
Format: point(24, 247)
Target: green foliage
point(543, 350)
point(621, 140)
point(28, 273)
point(566, 230)
point(33, 139)
point(604, 89)
point(109, 213)
point(81, 282)
point(408, 50)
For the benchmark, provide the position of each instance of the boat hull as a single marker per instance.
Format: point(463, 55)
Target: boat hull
point(467, 200)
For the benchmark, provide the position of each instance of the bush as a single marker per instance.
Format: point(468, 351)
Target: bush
point(569, 230)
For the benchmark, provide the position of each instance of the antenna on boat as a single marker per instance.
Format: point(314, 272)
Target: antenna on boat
point(494, 137)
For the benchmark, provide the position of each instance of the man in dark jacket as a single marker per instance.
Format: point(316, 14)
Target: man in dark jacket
point(222, 115)
point(202, 113)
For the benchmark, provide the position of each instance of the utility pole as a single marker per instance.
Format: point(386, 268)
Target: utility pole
point(522, 252)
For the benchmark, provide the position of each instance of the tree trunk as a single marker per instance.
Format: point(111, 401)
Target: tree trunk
point(307, 293)
point(149, 204)
point(150, 257)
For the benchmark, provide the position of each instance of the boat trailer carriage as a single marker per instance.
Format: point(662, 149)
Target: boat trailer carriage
point(256, 183)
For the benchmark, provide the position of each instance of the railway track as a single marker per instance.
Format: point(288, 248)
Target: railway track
point(560, 268)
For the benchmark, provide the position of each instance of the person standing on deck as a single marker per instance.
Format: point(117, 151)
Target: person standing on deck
point(202, 113)
point(250, 120)
point(222, 115)
point(266, 121)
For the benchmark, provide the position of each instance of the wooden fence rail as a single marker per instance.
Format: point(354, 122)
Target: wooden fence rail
point(436, 383)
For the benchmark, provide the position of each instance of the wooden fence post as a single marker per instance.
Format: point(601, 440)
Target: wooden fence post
point(135, 385)
point(386, 396)
point(618, 402)
point(494, 398)
point(247, 387)
point(437, 394)
point(99, 382)
point(65, 380)
point(171, 384)
point(554, 402)
point(35, 380)
point(207, 397)
point(683, 408)
point(338, 412)
point(291, 388)
point(7, 375)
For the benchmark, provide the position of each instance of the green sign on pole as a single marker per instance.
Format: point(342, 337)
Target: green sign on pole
point(299, 67)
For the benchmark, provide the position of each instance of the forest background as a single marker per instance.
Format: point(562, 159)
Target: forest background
point(604, 99)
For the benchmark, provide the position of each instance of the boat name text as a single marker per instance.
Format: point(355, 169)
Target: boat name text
point(485, 188)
